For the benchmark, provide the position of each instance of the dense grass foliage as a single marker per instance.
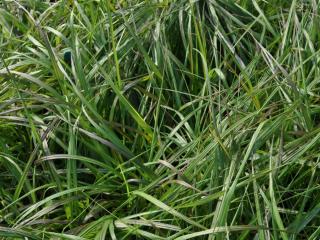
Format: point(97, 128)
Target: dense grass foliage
point(141, 119)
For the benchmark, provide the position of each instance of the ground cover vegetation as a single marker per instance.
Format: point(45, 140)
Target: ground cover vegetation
point(173, 119)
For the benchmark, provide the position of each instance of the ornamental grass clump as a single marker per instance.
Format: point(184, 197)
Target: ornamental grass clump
point(160, 119)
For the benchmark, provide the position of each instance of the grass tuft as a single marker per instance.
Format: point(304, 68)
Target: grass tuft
point(159, 119)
